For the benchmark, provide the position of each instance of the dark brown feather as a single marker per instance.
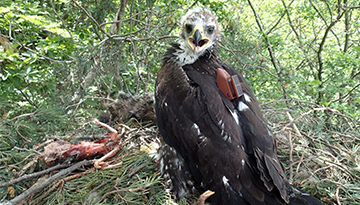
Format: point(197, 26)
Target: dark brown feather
point(225, 144)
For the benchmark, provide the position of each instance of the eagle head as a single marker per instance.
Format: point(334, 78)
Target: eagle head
point(199, 32)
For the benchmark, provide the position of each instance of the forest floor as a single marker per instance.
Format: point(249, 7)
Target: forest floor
point(318, 146)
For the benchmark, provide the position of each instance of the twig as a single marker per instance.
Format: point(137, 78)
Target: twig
point(100, 98)
point(49, 180)
point(17, 131)
point(293, 124)
point(131, 18)
point(269, 47)
point(337, 195)
point(91, 18)
point(27, 166)
point(29, 176)
point(287, 100)
point(267, 40)
point(298, 36)
point(122, 190)
point(136, 170)
point(291, 158)
point(62, 20)
point(341, 185)
point(23, 115)
point(319, 52)
point(346, 95)
point(305, 114)
point(106, 126)
point(61, 182)
point(299, 164)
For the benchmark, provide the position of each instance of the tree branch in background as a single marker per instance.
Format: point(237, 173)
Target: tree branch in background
point(91, 18)
point(269, 47)
point(319, 52)
point(267, 40)
point(346, 95)
point(298, 36)
point(118, 17)
point(347, 28)
point(62, 20)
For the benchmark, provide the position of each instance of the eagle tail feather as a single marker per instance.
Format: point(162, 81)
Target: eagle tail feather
point(300, 197)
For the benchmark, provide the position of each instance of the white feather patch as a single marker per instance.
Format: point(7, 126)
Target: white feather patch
point(247, 97)
point(227, 138)
point(225, 181)
point(235, 116)
point(242, 106)
point(196, 127)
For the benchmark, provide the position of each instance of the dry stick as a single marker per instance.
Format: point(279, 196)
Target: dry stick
point(23, 115)
point(337, 195)
point(17, 130)
point(299, 164)
point(293, 124)
point(341, 185)
point(27, 166)
point(63, 181)
point(291, 158)
point(302, 116)
point(291, 146)
point(49, 180)
point(29, 176)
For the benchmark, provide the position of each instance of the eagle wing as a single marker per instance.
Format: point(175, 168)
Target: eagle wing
point(225, 144)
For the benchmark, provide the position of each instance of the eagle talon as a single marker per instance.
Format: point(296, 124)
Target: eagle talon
point(204, 196)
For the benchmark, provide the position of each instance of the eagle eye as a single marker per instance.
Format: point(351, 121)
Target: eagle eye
point(210, 29)
point(188, 28)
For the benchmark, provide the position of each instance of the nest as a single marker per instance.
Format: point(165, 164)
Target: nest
point(318, 146)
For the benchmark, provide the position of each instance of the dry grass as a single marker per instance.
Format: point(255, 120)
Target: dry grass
point(320, 149)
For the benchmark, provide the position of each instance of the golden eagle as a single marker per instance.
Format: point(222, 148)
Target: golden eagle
point(216, 136)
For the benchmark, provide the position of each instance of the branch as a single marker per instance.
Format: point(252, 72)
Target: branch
point(29, 176)
point(309, 112)
point(278, 21)
point(267, 40)
point(269, 46)
point(298, 37)
point(118, 16)
point(91, 18)
point(347, 94)
point(323, 18)
point(48, 181)
point(321, 47)
point(62, 20)
point(131, 18)
point(347, 28)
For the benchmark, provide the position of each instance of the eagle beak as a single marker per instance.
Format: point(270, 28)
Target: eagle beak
point(197, 40)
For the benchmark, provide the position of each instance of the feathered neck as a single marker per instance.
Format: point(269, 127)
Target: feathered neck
point(184, 56)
